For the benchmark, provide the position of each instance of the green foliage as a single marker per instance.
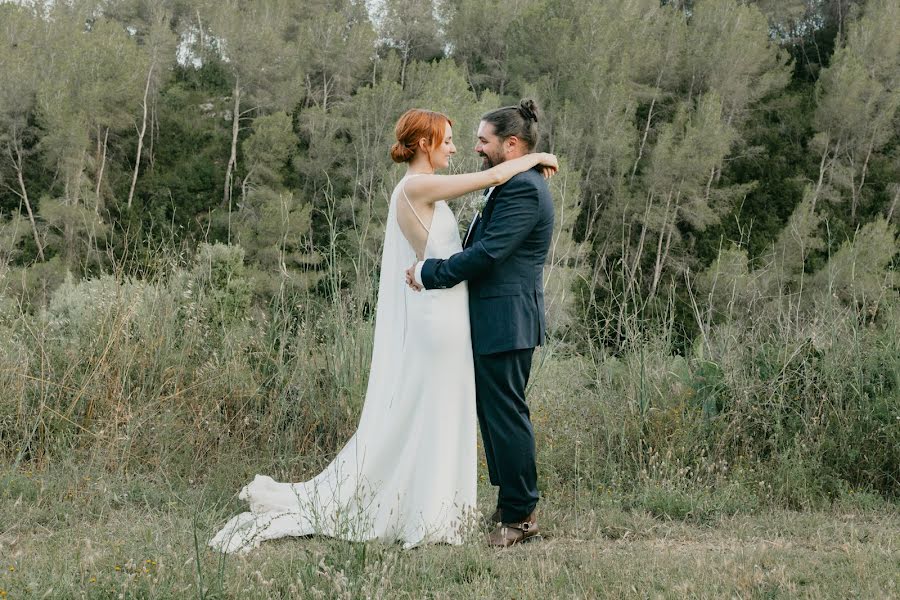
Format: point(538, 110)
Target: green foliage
point(721, 288)
point(860, 273)
point(269, 148)
point(485, 58)
point(698, 140)
point(186, 355)
point(337, 40)
point(858, 102)
point(263, 60)
point(410, 27)
point(183, 184)
point(218, 283)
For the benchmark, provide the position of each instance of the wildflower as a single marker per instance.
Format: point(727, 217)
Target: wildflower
point(12, 568)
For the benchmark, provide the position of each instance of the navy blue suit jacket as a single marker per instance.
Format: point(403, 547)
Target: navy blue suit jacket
point(503, 263)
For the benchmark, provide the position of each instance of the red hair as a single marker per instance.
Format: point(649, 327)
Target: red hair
point(414, 125)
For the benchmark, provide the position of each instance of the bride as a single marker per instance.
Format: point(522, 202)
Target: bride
point(408, 474)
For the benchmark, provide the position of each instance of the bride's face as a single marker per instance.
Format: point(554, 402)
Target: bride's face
point(440, 157)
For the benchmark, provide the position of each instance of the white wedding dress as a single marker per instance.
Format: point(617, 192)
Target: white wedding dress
point(408, 473)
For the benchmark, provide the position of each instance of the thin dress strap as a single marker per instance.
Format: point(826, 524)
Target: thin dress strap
point(403, 189)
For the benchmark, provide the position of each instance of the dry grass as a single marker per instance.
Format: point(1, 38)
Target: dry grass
point(662, 474)
point(66, 534)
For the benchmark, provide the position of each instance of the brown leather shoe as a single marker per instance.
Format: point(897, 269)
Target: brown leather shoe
point(491, 521)
point(508, 534)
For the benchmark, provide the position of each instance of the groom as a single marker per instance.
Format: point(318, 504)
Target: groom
point(503, 258)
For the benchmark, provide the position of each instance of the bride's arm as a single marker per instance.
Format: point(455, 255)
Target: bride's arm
point(431, 188)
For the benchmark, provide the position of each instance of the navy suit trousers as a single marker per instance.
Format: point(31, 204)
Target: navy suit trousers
point(500, 381)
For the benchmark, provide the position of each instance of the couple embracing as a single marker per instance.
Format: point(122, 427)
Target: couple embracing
point(455, 338)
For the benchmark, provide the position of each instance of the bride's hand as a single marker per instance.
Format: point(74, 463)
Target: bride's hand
point(548, 163)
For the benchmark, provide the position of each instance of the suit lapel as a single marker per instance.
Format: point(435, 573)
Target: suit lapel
point(489, 206)
point(471, 230)
point(479, 218)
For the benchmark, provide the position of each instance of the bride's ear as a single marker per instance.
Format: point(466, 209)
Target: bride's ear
point(423, 145)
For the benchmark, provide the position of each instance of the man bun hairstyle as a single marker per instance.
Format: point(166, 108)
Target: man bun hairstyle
point(414, 125)
point(528, 109)
point(520, 121)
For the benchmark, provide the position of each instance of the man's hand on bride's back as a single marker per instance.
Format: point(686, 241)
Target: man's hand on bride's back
point(411, 278)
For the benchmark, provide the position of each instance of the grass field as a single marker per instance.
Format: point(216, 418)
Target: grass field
point(761, 464)
point(75, 533)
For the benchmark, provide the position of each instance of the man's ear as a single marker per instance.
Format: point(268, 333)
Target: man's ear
point(512, 142)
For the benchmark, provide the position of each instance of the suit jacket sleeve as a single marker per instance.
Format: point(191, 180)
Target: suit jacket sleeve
point(515, 213)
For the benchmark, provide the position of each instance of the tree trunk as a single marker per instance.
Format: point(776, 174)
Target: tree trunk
point(857, 191)
point(17, 162)
point(660, 257)
point(100, 172)
point(890, 212)
point(712, 177)
point(73, 197)
point(640, 249)
point(840, 22)
point(232, 160)
point(154, 133)
point(140, 146)
point(73, 181)
point(200, 30)
point(668, 247)
point(646, 133)
point(821, 178)
point(650, 112)
point(403, 63)
point(245, 185)
point(632, 270)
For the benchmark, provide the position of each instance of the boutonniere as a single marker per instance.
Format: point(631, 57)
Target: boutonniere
point(479, 203)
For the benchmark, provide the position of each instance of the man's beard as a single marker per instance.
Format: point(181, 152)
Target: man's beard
point(489, 161)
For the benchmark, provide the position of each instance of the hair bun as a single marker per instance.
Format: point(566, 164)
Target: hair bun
point(401, 153)
point(528, 109)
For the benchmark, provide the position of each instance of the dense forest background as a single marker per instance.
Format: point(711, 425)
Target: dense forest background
point(192, 195)
point(192, 201)
point(743, 135)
